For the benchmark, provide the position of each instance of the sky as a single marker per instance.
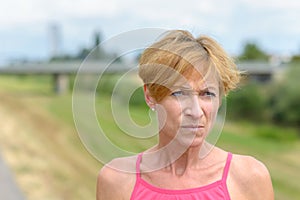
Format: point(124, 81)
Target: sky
point(25, 25)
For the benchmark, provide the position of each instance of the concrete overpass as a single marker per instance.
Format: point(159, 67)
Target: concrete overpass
point(261, 72)
point(62, 70)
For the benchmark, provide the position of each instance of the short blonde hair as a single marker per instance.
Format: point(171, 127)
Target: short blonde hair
point(179, 51)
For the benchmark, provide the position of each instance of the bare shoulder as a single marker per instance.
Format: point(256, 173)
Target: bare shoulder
point(251, 177)
point(249, 166)
point(116, 179)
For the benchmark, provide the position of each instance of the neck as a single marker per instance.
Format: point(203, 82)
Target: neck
point(178, 160)
point(188, 160)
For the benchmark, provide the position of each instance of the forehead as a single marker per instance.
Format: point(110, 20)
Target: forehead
point(198, 78)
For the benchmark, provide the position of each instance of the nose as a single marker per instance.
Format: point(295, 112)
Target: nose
point(193, 107)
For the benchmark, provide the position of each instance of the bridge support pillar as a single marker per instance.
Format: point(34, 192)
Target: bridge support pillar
point(61, 83)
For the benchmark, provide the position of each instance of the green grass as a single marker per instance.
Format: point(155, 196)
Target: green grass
point(27, 84)
point(71, 171)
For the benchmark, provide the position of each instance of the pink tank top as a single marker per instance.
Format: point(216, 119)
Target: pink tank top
point(216, 190)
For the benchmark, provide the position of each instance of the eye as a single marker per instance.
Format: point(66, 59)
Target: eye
point(209, 94)
point(177, 93)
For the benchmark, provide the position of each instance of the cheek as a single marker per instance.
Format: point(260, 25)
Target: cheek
point(169, 114)
point(211, 108)
point(173, 112)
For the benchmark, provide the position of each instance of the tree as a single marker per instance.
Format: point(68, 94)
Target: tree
point(253, 52)
point(97, 39)
point(284, 100)
point(83, 53)
point(296, 58)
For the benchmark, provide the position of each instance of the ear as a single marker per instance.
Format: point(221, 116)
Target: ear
point(148, 98)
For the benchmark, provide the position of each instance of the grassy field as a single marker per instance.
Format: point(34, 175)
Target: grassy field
point(39, 141)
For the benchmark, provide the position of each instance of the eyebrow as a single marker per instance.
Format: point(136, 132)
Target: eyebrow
point(208, 88)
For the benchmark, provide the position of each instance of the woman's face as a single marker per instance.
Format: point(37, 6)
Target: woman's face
point(188, 113)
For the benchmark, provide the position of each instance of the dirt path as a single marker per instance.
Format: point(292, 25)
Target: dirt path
point(21, 149)
point(45, 155)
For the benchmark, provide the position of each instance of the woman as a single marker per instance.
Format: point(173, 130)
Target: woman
point(185, 79)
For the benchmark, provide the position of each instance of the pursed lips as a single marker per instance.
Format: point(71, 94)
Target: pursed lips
point(193, 127)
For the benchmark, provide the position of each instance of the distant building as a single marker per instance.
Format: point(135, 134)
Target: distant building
point(262, 71)
point(55, 40)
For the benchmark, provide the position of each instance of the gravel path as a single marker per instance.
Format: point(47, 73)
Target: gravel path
point(8, 187)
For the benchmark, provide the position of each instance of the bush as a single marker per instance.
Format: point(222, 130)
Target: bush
point(247, 103)
point(107, 83)
point(137, 98)
point(107, 86)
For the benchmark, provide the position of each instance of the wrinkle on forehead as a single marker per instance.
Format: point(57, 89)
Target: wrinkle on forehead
point(198, 78)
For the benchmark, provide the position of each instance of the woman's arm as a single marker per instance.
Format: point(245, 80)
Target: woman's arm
point(260, 182)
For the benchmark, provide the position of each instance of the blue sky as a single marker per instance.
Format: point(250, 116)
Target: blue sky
point(24, 25)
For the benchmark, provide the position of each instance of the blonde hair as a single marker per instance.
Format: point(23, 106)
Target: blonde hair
point(178, 51)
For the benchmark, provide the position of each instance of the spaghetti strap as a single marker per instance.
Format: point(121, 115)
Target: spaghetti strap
point(144, 190)
point(137, 165)
point(226, 168)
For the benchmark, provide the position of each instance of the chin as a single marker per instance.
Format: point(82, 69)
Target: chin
point(197, 142)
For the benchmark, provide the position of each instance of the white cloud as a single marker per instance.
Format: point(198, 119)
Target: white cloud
point(15, 12)
point(271, 4)
point(81, 8)
point(230, 22)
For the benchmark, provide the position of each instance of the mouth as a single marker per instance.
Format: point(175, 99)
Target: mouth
point(193, 128)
